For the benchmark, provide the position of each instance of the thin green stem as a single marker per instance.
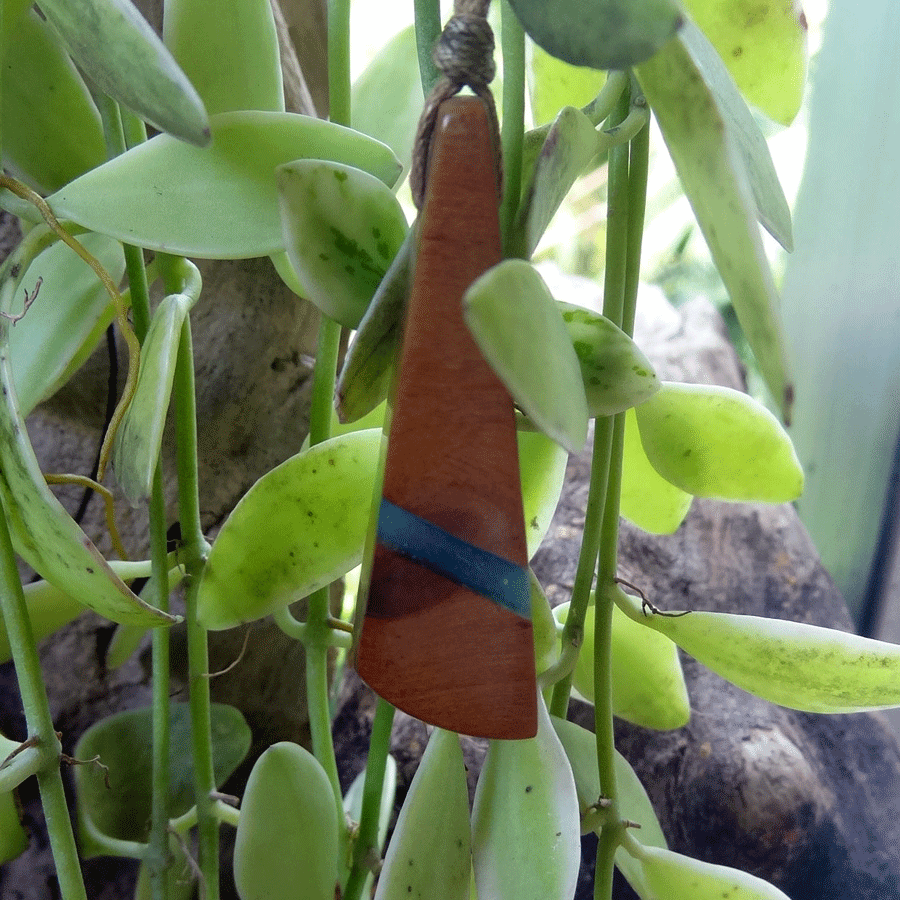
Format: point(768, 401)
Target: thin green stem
point(428, 29)
point(339, 61)
point(324, 374)
point(366, 845)
point(512, 43)
point(603, 872)
point(39, 721)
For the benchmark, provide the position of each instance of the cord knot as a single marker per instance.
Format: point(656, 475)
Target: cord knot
point(464, 53)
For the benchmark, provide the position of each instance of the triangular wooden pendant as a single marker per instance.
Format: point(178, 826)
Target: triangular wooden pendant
point(447, 632)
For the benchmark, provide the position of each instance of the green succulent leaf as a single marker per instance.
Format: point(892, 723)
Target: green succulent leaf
point(647, 499)
point(526, 800)
point(52, 130)
point(518, 328)
point(139, 438)
point(657, 698)
point(175, 198)
point(287, 837)
point(765, 50)
point(342, 229)
point(123, 743)
point(615, 372)
point(565, 154)
point(387, 97)
point(365, 378)
point(606, 34)
point(800, 666)
point(543, 626)
point(430, 855)
point(676, 877)
point(303, 525)
point(717, 442)
point(553, 84)
point(714, 174)
point(66, 319)
point(113, 44)
point(232, 60)
point(13, 837)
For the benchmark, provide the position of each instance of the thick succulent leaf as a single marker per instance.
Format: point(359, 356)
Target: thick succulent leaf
point(303, 525)
point(287, 837)
point(43, 533)
point(175, 198)
point(714, 176)
point(52, 130)
point(658, 697)
point(615, 372)
point(120, 52)
point(430, 855)
point(526, 798)
point(553, 84)
point(771, 205)
point(342, 229)
point(717, 442)
point(543, 627)
point(63, 324)
point(124, 744)
point(676, 877)
point(13, 837)
point(569, 147)
point(797, 665)
point(139, 438)
point(387, 98)
point(369, 364)
point(646, 498)
point(232, 60)
point(605, 34)
point(518, 328)
point(765, 50)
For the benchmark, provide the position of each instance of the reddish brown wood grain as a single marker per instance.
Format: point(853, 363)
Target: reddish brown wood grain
point(431, 647)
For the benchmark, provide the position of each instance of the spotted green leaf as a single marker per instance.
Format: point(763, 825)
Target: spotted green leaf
point(516, 324)
point(605, 34)
point(765, 50)
point(52, 130)
point(232, 60)
point(63, 325)
point(215, 202)
point(113, 44)
point(647, 499)
point(793, 664)
point(714, 174)
point(717, 442)
point(342, 229)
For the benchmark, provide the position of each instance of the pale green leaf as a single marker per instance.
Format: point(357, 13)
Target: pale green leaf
point(62, 326)
point(387, 98)
point(113, 44)
point(139, 437)
point(800, 666)
point(554, 84)
point(51, 128)
point(13, 837)
point(342, 229)
point(518, 328)
point(714, 176)
point(647, 499)
point(231, 58)
point(616, 374)
point(605, 34)
point(717, 442)
point(569, 147)
point(216, 202)
point(303, 525)
point(124, 743)
point(764, 49)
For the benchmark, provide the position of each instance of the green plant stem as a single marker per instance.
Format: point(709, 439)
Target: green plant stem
point(428, 28)
point(339, 61)
point(366, 845)
point(512, 43)
point(39, 721)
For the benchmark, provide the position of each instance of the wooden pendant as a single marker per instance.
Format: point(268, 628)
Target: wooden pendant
point(447, 632)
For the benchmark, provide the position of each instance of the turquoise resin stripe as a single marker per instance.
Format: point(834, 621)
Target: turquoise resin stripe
point(485, 573)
